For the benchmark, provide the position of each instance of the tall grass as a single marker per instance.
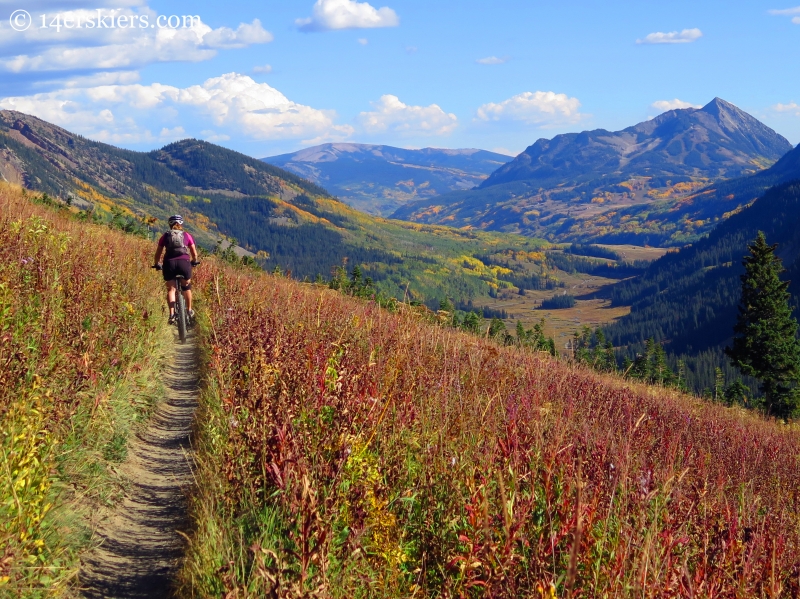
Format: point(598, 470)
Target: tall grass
point(78, 352)
point(348, 452)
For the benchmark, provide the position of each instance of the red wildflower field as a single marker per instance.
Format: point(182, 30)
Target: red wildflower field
point(349, 452)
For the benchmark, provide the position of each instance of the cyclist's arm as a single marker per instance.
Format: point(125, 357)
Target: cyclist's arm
point(159, 251)
point(193, 252)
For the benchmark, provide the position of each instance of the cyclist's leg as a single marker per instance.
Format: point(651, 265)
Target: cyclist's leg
point(169, 278)
point(171, 286)
point(186, 284)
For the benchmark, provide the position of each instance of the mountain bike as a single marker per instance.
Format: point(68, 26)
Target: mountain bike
point(181, 312)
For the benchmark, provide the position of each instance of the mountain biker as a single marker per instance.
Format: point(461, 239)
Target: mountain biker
point(180, 255)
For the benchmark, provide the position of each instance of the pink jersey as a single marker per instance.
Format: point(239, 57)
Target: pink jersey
point(188, 239)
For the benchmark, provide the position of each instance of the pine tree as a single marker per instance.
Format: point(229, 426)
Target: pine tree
point(765, 343)
point(719, 384)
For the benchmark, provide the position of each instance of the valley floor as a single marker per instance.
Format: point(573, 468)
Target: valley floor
point(593, 307)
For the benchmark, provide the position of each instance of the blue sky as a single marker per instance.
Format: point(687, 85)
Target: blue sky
point(272, 77)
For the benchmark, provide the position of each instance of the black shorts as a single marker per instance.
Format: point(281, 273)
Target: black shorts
point(175, 267)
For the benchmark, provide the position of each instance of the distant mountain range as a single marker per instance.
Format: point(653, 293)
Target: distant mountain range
point(380, 179)
point(635, 185)
point(299, 225)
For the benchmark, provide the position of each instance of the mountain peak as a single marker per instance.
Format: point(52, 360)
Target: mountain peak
point(718, 107)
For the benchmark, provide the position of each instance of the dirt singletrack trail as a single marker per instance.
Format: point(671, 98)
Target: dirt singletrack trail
point(140, 546)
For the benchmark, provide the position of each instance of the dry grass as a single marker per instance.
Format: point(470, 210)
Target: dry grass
point(77, 360)
point(349, 452)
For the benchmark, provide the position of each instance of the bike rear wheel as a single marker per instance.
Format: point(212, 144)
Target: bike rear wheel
point(180, 314)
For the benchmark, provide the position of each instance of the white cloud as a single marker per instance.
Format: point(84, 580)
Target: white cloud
point(790, 107)
point(111, 48)
point(506, 151)
point(347, 14)
point(674, 37)
point(246, 34)
point(785, 11)
point(263, 69)
point(534, 108)
point(391, 115)
point(233, 104)
point(363, 41)
point(93, 80)
point(175, 133)
point(788, 12)
point(665, 105)
point(492, 60)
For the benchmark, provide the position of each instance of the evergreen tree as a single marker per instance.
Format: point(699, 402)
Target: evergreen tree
point(719, 384)
point(765, 343)
point(472, 322)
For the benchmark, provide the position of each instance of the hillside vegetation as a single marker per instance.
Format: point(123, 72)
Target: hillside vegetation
point(346, 451)
point(288, 222)
point(688, 299)
point(80, 354)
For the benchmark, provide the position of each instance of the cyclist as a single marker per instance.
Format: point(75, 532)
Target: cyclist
point(180, 254)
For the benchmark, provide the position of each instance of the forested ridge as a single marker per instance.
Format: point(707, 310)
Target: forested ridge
point(688, 299)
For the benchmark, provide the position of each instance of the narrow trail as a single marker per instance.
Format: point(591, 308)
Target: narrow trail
point(141, 548)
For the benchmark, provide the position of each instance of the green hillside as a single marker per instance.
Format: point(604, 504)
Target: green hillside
point(296, 225)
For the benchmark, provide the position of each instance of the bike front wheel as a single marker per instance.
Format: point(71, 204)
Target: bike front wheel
point(181, 315)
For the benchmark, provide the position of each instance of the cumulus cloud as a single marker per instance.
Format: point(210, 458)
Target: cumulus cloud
point(363, 41)
point(263, 69)
point(665, 105)
point(534, 108)
point(492, 60)
point(790, 107)
point(673, 37)
point(120, 47)
point(231, 104)
point(347, 14)
point(392, 115)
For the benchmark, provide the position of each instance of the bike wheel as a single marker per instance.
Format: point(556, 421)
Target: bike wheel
point(180, 314)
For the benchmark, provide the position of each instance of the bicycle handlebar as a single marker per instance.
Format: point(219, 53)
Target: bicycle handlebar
point(160, 267)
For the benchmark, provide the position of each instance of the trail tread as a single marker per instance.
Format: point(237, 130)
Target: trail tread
point(141, 547)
